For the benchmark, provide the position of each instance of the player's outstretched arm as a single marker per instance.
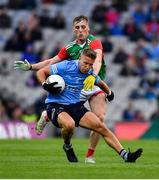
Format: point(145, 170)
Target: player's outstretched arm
point(26, 66)
point(90, 80)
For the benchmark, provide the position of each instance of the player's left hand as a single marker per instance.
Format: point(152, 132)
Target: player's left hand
point(51, 87)
point(110, 96)
point(89, 83)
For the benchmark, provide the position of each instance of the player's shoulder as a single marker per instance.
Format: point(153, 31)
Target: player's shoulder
point(70, 62)
point(66, 65)
point(71, 65)
point(70, 44)
point(91, 37)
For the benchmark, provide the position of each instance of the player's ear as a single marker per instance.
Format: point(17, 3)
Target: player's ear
point(73, 29)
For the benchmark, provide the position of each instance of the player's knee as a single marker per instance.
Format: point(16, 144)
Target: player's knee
point(99, 127)
point(101, 116)
point(70, 126)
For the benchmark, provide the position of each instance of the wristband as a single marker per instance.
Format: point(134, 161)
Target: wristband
point(109, 92)
point(94, 75)
point(43, 83)
point(30, 67)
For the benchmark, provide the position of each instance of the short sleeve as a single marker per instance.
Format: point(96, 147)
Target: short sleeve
point(97, 80)
point(96, 44)
point(63, 53)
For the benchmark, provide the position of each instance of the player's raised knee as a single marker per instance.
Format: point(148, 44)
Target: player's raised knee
point(101, 116)
point(70, 126)
point(99, 127)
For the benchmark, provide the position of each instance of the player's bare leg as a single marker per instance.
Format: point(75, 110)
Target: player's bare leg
point(67, 125)
point(98, 106)
point(91, 121)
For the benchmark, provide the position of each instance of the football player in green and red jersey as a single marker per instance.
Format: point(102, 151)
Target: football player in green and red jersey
point(95, 96)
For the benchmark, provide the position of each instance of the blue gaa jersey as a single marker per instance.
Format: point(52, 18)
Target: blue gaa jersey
point(73, 78)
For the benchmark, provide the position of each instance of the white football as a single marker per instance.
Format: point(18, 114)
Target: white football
point(56, 78)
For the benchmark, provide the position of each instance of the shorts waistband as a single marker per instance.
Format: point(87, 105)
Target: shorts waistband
point(65, 105)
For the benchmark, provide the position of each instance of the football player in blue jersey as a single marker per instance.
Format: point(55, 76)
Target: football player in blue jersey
point(66, 110)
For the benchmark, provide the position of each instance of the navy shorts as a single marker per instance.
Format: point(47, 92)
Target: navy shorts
point(76, 111)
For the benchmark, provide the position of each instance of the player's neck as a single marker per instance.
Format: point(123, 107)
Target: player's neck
point(80, 41)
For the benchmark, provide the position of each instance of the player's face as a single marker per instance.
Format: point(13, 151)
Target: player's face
point(81, 30)
point(85, 64)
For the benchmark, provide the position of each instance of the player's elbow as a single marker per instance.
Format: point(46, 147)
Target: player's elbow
point(40, 75)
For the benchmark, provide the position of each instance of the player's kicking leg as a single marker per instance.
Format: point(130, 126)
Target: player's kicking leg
point(91, 121)
point(41, 123)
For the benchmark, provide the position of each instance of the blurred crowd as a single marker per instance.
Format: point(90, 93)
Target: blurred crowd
point(139, 22)
point(136, 20)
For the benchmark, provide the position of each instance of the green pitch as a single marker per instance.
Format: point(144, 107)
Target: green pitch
point(43, 159)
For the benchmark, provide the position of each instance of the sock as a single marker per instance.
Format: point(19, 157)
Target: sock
point(68, 146)
point(124, 154)
point(90, 152)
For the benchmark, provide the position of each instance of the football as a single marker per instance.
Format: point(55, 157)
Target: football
point(56, 78)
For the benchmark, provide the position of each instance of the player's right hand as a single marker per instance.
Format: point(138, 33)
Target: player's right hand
point(51, 87)
point(22, 65)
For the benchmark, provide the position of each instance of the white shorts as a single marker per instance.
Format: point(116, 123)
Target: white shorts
point(85, 95)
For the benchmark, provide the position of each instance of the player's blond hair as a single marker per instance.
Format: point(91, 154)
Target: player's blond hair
point(89, 53)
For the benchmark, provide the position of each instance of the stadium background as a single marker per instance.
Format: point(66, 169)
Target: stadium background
point(36, 29)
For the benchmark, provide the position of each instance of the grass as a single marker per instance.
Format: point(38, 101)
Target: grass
point(45, 159)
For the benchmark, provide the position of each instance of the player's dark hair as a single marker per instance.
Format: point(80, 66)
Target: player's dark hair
point(89, 53)
point(80, 18)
